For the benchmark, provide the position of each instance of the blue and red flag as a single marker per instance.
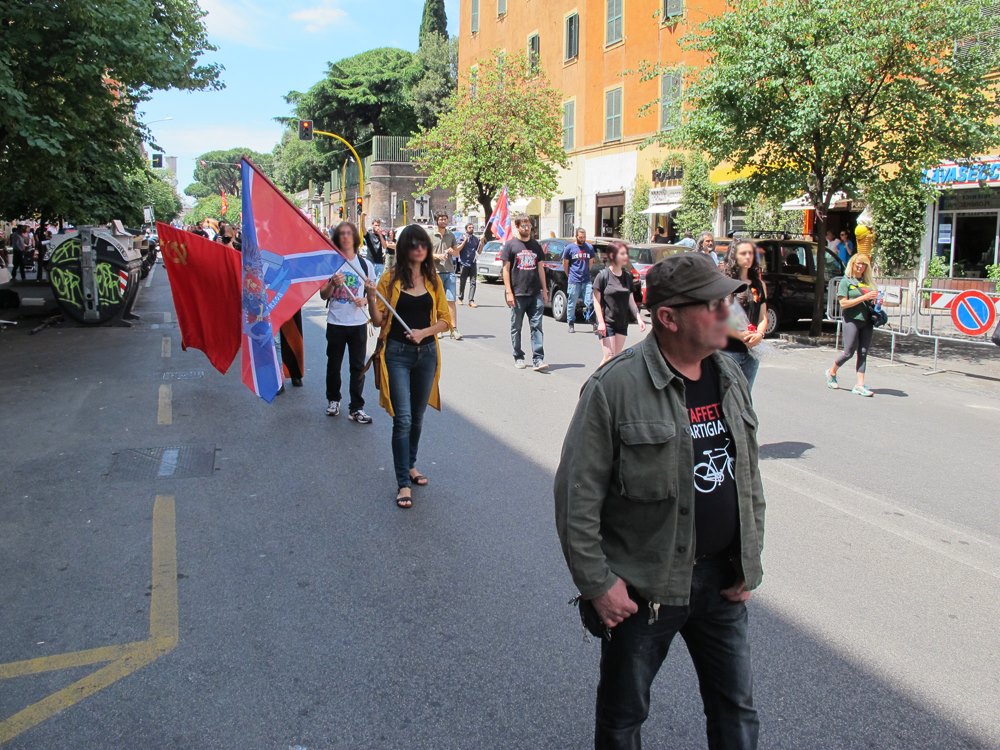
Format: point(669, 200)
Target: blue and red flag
point(500, 219)
point(286, 259)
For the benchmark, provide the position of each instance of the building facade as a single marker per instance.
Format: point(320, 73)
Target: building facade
point(587, 48)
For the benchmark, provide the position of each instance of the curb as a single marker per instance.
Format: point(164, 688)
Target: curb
point(806, 340)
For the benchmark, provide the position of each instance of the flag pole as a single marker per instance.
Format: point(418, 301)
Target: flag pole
point(325, 239)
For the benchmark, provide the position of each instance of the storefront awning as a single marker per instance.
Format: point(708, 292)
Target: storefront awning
point(805, 202)
point(662, 208)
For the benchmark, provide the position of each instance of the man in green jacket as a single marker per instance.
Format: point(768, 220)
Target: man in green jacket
point(660, 509)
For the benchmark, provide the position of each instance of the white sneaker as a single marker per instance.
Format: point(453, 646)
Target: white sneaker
point(333, 410)
point(519, 364)
point(360, 417)
point(540, 367)
point(455, 334)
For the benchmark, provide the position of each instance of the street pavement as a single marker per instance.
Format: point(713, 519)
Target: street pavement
point(313, 613)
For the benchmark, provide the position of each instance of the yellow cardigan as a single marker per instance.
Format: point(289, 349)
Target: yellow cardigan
point(439, 311)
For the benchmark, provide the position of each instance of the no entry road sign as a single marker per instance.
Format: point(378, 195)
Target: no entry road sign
point(973, 312)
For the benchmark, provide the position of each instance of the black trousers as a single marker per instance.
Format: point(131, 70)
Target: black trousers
point(468, 274)
point(355, 340)
point(18, 263)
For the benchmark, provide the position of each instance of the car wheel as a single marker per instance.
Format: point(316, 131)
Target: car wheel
point(558, 304)
point(773, 319)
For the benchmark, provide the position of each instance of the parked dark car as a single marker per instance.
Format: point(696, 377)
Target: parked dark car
point(556, 276)
point(789, 275)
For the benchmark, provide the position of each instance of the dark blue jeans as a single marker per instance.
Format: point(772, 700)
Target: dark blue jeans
point(715, 631)
point(748, 363)
point(411, 372)
point(534, 308)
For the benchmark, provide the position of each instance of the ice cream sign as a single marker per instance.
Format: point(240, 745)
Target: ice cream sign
point(958, 175)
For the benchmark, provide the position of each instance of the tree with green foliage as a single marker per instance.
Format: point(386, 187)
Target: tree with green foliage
point(70, 84)
point(698, 196)
point(211, 208)
point(504, 128)
point(297, 162)
point(825, 96)
point(763, 213)
point(360, 96)
point(436, 71)
point(217, 172)
point(899, 207)
point(434, 21)
point(635, 223)
point(155, 191)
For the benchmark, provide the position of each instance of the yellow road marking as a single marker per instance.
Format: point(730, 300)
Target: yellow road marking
point(164, 633)
point(165, 347)
point(164, 410)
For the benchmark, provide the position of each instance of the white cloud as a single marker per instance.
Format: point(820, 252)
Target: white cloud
point(319, 17)
point(235, 20)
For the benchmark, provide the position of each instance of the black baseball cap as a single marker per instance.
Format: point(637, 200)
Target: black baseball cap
point(688, 277)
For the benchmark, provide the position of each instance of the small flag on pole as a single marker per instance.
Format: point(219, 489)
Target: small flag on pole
point(500, 219)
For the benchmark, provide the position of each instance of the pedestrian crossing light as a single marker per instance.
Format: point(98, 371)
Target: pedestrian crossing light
point(305, 130)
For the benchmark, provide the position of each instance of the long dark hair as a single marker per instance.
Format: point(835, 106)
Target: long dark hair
point(731, 266)
point(407, 240)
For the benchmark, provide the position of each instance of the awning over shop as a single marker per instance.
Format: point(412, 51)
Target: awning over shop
point(662, 208)
point(805, 202)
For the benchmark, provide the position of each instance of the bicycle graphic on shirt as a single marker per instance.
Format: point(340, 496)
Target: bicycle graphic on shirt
point(711, 473)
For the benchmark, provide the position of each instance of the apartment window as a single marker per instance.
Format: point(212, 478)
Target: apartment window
point(670, 100)
point(501, 8)
point(534, 53)
point(672, 9)
point(613, 115)
point(475, 16)
point(613, 31)
point(569, 125)
point(572, 36)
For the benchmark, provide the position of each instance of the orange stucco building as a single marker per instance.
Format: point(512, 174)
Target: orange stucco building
point(586, 48)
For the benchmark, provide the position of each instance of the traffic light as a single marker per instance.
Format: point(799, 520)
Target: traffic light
point(305, 130)
point(360, 204)
point(157, 161)
point(340, 212)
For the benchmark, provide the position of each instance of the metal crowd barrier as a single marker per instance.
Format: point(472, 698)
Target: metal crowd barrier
point(898, 304)
point(932, 312)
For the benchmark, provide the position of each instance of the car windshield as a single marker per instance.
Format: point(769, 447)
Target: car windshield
point(643, 255)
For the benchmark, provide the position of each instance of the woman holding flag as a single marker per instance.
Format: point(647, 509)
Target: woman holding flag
point(411, 310)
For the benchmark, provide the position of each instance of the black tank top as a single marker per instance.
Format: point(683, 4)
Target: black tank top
point(415, 310)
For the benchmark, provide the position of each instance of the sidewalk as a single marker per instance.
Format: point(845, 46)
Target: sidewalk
point(971, 360)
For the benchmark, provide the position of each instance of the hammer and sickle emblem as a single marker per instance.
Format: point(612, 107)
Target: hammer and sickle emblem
point(178, 252)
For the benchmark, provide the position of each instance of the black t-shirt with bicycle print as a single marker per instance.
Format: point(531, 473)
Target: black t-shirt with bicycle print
point(716, 514)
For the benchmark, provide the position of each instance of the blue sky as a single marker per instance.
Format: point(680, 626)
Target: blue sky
point(269, 49)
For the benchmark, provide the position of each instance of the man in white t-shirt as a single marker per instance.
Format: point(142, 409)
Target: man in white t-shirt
point(347, 324)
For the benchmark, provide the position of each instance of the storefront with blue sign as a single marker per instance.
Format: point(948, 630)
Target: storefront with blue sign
point(965, 221)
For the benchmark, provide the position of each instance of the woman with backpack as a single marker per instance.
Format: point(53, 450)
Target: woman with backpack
point(857, 292)
point(742, 263)
point(614, 302)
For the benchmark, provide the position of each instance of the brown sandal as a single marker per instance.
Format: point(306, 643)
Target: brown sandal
point(403, 501)
point(419, 479)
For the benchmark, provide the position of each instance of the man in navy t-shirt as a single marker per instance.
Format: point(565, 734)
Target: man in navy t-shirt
point(576, 263)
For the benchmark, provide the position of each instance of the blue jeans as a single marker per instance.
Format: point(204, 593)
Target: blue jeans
point(448, 282)
point(573, 293)
point(411, 371)
point(534, 308)
point(715, 631)
point(748, 363)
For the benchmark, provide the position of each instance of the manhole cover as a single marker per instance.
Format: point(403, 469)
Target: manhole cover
point(171, 462)
point(184, 375)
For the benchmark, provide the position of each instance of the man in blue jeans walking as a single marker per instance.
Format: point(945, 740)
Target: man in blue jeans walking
point(660, 510)
point(526, 290)
point(576, 263)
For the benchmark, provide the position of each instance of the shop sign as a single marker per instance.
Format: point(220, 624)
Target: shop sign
point(969, 175)
point(970, 200)
point(665, 195)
